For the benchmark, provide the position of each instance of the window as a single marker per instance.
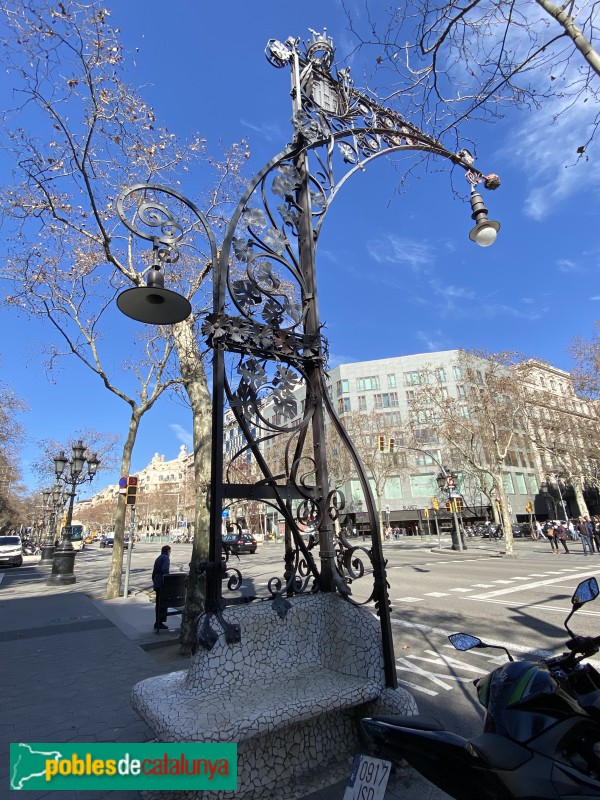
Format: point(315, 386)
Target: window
point(533, 484)
point(415, 378)
point(424, 460)
point(343, 405)
point(362, 402)
point(393, 488)
point(410, 396)
point(460, 390)
point(479, 377)
point(457, 373)
point(520, 481)
point(440, 374)
point(367, 384)
point(393, 418)
point(386, 400)
point(508, 483)
point(425, 436)
point(391, 381)
point(342, 387)
point(423, 485)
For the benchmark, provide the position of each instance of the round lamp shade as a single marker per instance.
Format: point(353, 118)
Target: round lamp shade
point(154, 306)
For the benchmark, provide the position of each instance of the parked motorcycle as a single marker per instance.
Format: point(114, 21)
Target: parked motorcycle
point(30, 548)
point(541, 735)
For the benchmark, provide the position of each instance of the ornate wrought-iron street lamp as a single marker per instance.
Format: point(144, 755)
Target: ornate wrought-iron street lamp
point(265, 319)
point(71, 473)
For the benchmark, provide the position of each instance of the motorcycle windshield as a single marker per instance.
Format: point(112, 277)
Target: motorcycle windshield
point(523, 699)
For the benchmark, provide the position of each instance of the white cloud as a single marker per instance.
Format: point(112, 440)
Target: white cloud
point(397, 250)
point(448, 290)
point(182, 435)
point(546, 142)
point(433, 340)
point(271, 133)
point(566, 265)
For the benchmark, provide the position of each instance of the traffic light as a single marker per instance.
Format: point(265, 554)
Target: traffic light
point(131, 493)
point(435, 504)
point(426, 513)
point(458, 504)
point(381, 443)
point(449, 505)
point(529, 507)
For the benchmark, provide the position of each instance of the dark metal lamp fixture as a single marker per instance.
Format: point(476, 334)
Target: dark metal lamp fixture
point(154, 304)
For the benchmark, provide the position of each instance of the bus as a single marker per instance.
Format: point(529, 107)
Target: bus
point(77, 535)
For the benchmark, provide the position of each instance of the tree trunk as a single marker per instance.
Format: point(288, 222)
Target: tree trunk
point(505, 516)
point(194, 380)
point(113, 587)
point(582, 508)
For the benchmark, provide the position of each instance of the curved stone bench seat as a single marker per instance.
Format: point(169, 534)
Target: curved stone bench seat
point(290, 693)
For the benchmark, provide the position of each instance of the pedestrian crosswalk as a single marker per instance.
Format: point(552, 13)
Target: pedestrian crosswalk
point(501, 586)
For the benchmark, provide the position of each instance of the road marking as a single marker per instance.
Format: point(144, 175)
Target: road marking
point(482, 585)
point(407, 600)
point(503, 581)
point(416, 688)
point(460, 589)
point(436, 594)
point(533, 585)
point(513, 648)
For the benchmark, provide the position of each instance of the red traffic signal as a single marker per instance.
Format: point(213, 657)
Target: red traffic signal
point(132, 480)
point(449, 506)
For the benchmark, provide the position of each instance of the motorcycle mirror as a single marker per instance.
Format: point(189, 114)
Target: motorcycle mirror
point(464, 641)
point(586, 591)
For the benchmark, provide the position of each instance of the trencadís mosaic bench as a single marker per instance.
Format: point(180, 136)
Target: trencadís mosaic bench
point(291, 693)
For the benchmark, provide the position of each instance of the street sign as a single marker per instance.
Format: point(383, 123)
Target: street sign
point(450, 481)
point(123, 482)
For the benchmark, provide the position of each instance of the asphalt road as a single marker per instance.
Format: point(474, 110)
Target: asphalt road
point(519, 603)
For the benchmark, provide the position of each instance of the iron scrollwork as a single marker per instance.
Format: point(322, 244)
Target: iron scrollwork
point(270, 355)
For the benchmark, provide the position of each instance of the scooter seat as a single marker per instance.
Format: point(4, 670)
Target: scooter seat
point(418, 722)
point(500, 753)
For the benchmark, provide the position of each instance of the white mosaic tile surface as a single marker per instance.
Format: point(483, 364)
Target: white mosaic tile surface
point(290, 693)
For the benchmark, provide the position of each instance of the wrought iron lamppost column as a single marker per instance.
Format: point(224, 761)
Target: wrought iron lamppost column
point(48, 543)
point(265, 320)
point(63, 561)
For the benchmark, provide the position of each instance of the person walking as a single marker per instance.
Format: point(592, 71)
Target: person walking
point(596, 533)
point(550, 534)
point(162, 565)
point(539, 531)
point(562, 534)
point(590, 529)
point(584, 535)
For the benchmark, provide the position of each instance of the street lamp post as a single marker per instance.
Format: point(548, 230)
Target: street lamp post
point(265, 321)
point(71, 473)
point(446, 482)
point(55, 500)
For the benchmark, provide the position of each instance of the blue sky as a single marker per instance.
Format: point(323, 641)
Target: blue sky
point(397, 272)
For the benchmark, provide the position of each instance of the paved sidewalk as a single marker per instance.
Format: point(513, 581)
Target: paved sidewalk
point(69, 661)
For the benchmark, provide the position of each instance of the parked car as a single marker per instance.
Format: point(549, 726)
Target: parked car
point(107, 540)
point(11, 551)
point(238, 543)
